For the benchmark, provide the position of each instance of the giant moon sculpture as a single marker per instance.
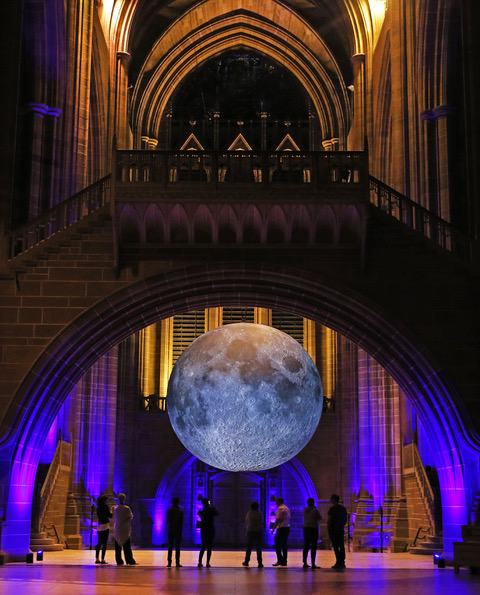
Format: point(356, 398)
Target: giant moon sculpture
point(244, 397)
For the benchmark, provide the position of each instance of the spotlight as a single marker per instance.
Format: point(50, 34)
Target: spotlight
point(436, 557)
point(39, 555)
point(29, 558)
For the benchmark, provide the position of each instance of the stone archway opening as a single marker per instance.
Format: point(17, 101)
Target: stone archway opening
point(149, 300)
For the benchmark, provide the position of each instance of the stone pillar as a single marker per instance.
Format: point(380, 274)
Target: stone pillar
point(379, 419)
point(358, 130)
point(79, 20)
point(95, 426)
point(309, 338)
point(168, 132)
point(149, 360)
point(49, 188)
point(348, 425)
point(121, 125)
point(216, 130)
point(262, 316)
point(311, 128)
point(441, 114)
point(263, 124)
point(166, 354)
point(35, 124)
point(213, 318)
point(328, 361)
point(428, 162)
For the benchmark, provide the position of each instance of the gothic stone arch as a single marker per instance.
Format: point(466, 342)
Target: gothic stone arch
point(146, 301)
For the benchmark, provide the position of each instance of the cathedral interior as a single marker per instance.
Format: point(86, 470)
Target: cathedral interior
point(171, 166)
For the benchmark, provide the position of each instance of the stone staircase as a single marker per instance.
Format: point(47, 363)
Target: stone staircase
point(431, 544)
point(57, 524)
point(42, 541)
point(62, 249)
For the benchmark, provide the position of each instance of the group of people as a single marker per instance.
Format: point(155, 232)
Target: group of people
point(122, 530)
point(337, 519)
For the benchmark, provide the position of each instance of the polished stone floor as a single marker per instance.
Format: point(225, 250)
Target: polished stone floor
point(73, 573)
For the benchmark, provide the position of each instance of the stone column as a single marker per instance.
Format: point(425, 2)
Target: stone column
point(428, 162)
point(149, 360)
point(95, 426)
point(35, 124)
point(79, 20)
point(216, 130)
point(121, 125)
point(263, 124)
point(213, 318)
point(309, 338)
point(166, 354)
point(358, 130)
point(262, 316)
point(311, 128)
point(49, 194)
point(441, 114)
point(328, 361)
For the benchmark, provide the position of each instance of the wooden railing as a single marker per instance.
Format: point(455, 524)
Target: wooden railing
point(60, 217)
point(420, 219)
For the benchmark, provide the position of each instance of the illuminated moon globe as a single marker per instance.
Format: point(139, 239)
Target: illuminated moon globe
point(244, 397)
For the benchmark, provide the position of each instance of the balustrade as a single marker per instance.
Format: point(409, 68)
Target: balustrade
point(410, 213)
point(240, 167)
point(60, 217)
point(313, 172)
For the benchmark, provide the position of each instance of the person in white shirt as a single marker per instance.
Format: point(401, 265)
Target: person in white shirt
point(122, 531)
point(282, 526)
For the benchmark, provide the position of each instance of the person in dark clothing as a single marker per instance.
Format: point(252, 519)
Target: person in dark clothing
point(175, 529)
point(207, 531)
point(311, 518)
point(104, 515)
point(254, 520)
point(337, 519)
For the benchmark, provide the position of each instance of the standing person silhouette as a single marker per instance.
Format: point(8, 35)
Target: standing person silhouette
point(207, 531)
point(122, 531)
point(337, 519)
point(282, 525)
point(104, 515)
point(311, 518)
point(175, 529)
point(254, 520)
